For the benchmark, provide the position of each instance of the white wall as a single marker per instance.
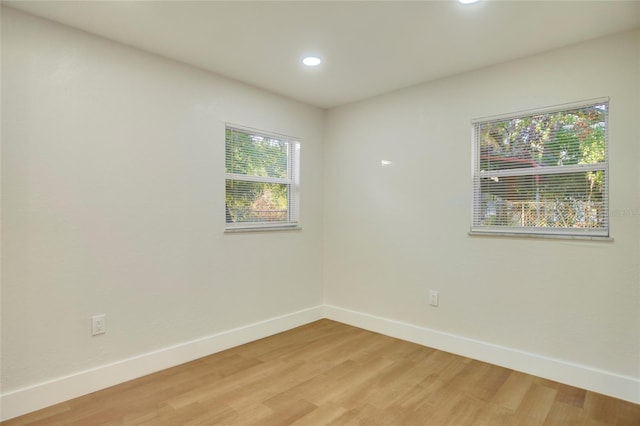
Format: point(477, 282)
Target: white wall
point(391, 233)
point(113, 202)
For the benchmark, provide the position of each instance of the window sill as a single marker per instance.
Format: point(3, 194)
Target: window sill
point(539, 236)
point(262, 229)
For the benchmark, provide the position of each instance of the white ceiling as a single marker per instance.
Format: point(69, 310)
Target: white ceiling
point(368, 47)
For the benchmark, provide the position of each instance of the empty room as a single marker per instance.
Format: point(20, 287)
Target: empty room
point(320, 212)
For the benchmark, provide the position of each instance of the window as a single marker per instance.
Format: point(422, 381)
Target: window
point(261, 179)
point(543, 172)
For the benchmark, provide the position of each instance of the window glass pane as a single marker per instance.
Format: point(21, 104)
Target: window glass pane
point(256, 202)
point(255, 155)
point(571, 200)
point(554, 139)
point(545, 170)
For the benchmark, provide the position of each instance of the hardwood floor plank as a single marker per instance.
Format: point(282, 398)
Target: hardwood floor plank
point(513, 391)
point(562, 413)
point(570, 395)
point(495, 415)
point(610, 410)
point(323, 415)
point(327, 373)
point(285, 412)
point(535, 405)
point(352, 383)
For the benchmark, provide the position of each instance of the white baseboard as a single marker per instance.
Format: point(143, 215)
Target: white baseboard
point(61, 389)
point(604, 382)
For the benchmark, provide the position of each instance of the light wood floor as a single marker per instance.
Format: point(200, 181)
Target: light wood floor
point(327, 373)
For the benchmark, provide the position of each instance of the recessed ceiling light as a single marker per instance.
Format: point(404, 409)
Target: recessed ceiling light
point(468, 1)
point(311, 61)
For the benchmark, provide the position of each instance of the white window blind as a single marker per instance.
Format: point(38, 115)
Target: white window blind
point(543, 172)
point(261, 183)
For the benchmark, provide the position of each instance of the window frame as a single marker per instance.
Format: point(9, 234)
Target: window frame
point(292, 182)
point(477, 175)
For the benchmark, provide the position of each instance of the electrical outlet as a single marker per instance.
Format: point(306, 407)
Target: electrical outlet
point(434, 297)
point(98, 324)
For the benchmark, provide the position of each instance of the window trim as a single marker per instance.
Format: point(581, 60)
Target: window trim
point(539, 232)
point(292, 182)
